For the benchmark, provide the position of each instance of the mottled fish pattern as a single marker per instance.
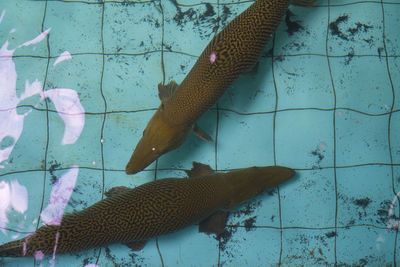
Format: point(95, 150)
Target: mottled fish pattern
point(152, 209)
point(231, 52)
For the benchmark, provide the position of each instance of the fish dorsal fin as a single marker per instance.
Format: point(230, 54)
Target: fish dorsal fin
point(199, 169)
point(166, 91)
point(116, 191)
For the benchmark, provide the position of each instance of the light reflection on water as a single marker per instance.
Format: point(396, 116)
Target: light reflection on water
point(66, 101)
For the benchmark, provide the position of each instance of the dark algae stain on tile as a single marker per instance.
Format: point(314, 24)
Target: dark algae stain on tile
point(382, 214)
point(136, 259)
point(292, 26)
point(334, 27)
point(349, 33)
point(362, 202)
point(308, 252)
point(54, 165)
point(319, 157)
point(230, 230)
point(331, 234)
point(226, 236)
point(132, 260)
point(366, 261)
point(111, 257)
point(248, 209)
point(204, 20)
point(249, 223)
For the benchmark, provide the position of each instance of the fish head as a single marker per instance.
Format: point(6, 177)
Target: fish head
point(158, 138)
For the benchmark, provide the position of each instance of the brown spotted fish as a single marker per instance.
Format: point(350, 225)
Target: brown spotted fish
point(231, 52)
point(132, 216)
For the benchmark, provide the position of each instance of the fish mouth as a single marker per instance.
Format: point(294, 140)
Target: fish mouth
point(142, 156)
point(137, 164)
point(132, 168)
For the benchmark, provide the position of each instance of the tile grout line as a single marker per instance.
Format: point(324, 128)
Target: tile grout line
point(105, 111)
point(163, 82)
point(47, 122)
point(390, 121)
point(274, 147)
point(191, 55)
point(216, 138)
point(225, 109)
point(177, 169)
point(334, 131)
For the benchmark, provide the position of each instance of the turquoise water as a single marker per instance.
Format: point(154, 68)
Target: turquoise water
point(78, 84)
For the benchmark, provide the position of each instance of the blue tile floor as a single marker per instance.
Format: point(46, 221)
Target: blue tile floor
point(78, 84)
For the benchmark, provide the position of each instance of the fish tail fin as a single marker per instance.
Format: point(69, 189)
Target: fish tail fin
point(13, 249)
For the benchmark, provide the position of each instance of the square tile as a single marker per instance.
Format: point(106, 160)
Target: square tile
point(373, 246)
point(132, 27)
point(21, 223)
point(29, 69)
point(180, 248)
point(363, 194)
point(355, 30)
point(360, 87)
point(394, 68)
point(394, 140)
point(130, 83)
point(122, 131)
point(303, 247)
point(319, 187)
point(18, 28)
point(185, 23)
point(66, 20)
point(256, 135)
point(86, 151)
point(359, 143)
point(293, 76)
point(83, 74)
point(298, 33)
point(306, 135)
point(392, 32)
point(29, 151)
point(259, 247)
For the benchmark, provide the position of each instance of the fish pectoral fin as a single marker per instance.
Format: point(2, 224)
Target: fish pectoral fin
point(252, 70)
point(166, 91)
point(201, 133)
point(302, 2)
point(214, 224)
point(136, 245)
point(116, 191)
point(199, 169)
